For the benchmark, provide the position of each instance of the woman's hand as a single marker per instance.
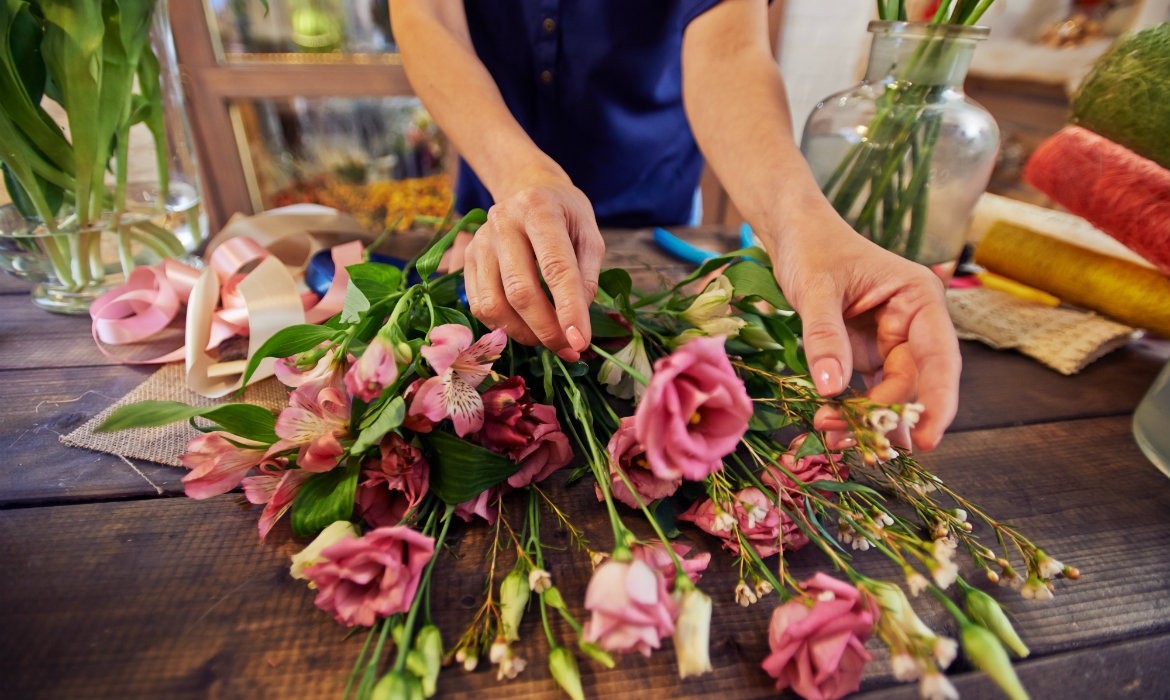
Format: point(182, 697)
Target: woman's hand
point(866, 309)
point(544, 231)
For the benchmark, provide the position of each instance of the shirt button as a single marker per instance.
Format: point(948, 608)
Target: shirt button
point(549, 25)
point(546, 76)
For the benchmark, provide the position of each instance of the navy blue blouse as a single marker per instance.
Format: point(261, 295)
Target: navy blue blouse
point(597, 84)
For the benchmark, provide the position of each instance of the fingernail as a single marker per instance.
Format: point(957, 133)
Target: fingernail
point(576, 340)
point(827, 375)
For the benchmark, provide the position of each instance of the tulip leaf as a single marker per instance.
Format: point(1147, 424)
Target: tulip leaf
point(461, 470)
point(324, 499)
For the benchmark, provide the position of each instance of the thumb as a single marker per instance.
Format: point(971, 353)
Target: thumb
point(826, 344)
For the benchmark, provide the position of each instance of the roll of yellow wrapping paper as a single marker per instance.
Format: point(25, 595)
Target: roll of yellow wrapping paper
point(1133, 294)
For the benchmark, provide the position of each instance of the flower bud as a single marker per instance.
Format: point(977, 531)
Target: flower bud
point(596, 653)
point(551, 597)
point(756, 334)
point(982, 648)
point(692, 633)
point(310, 555)
point(513, 600)
point(563, 667)
point(397, 686)
point(426, 658)
point(984, 610)
point(539, 580)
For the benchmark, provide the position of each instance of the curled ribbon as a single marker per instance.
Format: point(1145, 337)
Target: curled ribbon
point(247, 287)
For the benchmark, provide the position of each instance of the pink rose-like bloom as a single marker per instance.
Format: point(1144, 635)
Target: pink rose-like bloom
point(547, 451)
point(483, 506)
point(765, 526)
point(392, 484)
point(218, 462)
point(808, 469)
point(628, 455)
point(373, 576)
point(818, 641)
point(317, 415)
point(656, 556)
point(523, 431)
point(460, 366)
point(373, 371)
point(631, 606)
point(694, 412)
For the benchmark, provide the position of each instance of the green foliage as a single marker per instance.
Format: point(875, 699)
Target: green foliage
point(461, 470)
point(241, 419)
point(325, 498)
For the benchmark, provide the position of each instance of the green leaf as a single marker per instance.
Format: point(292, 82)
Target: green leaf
point(811, 446)
point(288, 342)
point(241, 419)
point(428, 262)
point(615, 282)
point(751, 279)
point(666, 511)
point(461, 470)
point(376, 280)
point(604, 326)
point(445, 314)
point(767, 420)
point(387, 418)
point(356, 303)
point(324, 499)
point(834, 486)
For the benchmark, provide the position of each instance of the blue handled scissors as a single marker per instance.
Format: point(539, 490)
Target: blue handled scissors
point(693, 253)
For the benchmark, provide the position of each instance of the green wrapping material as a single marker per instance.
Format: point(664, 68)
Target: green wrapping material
point(1126, 97)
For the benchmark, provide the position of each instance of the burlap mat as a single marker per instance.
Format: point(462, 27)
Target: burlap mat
point(166, 443)
point(1065, 339)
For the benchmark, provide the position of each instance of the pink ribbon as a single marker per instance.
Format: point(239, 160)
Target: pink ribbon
point(240, 292)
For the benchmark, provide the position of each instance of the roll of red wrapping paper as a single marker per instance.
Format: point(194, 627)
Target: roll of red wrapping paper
point(1117, 190)
point(1136, 295)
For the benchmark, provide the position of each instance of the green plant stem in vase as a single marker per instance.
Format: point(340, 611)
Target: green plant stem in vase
point(78, 222)
point(904, 155)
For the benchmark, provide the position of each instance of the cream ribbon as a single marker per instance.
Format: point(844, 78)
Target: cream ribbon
point(248, 287)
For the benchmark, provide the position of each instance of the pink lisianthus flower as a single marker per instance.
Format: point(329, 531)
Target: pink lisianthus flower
point(818, 640)
point(483, 506)
point(275, 489)
point(362, 579)
point(547, 450)
point(631, 606)
point(767, 528)
point(808, 469)
point(317, 415)
point(523, 431)
point(391, 484)
point(218, 462)
point(655, 555)
point(460, 366)
point(627, 455)
point(320, 365)
point(373, 371)
point(694, 412)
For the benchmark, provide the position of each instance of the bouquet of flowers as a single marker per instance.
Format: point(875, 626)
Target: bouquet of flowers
point(407, 418)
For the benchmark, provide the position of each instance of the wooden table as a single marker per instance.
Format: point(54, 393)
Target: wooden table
point(115, 586)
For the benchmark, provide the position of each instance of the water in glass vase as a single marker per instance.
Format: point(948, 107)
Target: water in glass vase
point(904, 155)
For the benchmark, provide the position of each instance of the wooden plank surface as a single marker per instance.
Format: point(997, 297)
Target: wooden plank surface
point(175, 598)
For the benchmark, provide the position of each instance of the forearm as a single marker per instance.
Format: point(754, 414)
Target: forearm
point(463, 99)
point(737, 106)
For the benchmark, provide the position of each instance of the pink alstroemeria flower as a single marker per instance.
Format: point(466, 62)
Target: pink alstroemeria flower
point(218, 462)
point(694, 412)
point(275, 489)
point(320, 364)
point(317, 415)
point(818, 641)
point(362, 579)
point(373, 371)
point(631, 606)
point(460, 366)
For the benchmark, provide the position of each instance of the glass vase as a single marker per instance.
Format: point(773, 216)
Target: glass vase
point(147, 209)
point(904, 155)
